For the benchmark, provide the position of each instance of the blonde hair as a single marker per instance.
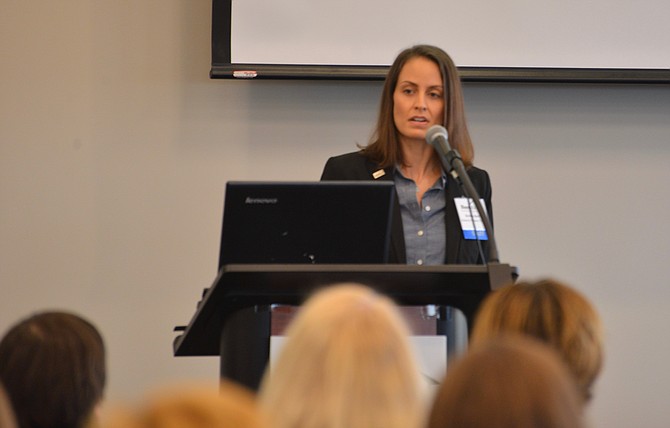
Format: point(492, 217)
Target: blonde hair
point(554, 313)
point(347, 363)
point(508, 382)
point(193, 406)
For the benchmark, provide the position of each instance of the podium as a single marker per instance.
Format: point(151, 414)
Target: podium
point(233, 318)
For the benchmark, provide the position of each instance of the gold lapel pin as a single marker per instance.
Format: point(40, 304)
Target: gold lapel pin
point(378, 173)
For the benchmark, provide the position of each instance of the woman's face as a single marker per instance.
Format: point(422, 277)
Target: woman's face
point(418, 99)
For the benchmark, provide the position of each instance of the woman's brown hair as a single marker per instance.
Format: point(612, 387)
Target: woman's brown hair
point(385, 145)
point(553, 313)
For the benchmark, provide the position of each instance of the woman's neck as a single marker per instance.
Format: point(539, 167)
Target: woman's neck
point(419, 160)
point(421, 166)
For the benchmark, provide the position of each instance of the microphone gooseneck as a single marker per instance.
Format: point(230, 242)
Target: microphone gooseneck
point(452, 163)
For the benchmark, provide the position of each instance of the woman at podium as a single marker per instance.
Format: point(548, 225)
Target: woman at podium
point(430, 227)
point(422, 89)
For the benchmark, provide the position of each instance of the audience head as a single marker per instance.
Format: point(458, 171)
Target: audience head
point(551, 312)
point(192, 406)
point(510, 381)
point(52, 365)
point(347, 362)
point(6, 412)
point(385, 147)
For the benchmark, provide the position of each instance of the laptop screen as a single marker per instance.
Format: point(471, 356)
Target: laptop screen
point(307, 222)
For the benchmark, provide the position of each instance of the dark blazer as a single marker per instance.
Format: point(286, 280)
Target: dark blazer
point(354, 166)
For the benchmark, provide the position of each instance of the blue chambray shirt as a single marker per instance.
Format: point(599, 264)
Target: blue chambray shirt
point(424, 223)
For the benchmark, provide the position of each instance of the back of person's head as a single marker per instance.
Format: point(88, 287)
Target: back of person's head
point(508, 382)
point(347, 362)
point(52, 365)
point(192, 406)
point(554, 313)
point(6, 413)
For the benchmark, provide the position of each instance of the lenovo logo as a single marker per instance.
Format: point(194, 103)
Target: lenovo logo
point(260, 201)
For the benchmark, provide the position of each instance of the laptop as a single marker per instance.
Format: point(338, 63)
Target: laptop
point(325, 222)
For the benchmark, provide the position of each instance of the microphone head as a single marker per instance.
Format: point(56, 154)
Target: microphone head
point(435, 131)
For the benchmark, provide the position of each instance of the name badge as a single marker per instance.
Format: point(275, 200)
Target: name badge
point(471, 223)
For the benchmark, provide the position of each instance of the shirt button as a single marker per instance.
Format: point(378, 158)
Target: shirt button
point(419, 262)
point(427, 207)
point(420, 233)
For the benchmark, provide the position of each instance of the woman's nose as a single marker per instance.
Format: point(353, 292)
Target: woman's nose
point(420, 103)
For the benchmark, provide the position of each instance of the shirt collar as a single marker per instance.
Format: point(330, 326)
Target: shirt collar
point(443, 182)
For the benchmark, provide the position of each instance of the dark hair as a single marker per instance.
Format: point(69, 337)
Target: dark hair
point(6, 413)
point(509, 381)
point(385, 146)
point(52, 365)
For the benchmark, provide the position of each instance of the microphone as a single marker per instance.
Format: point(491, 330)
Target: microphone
point(438, 137)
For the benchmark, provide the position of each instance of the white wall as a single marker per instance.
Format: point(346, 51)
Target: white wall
point(115, 147)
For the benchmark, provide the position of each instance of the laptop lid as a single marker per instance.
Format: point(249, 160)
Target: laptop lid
point(307, 222)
